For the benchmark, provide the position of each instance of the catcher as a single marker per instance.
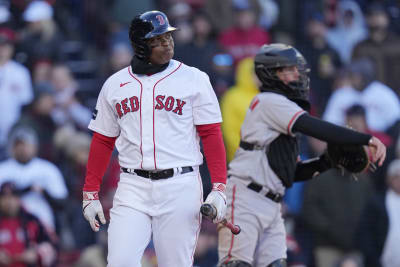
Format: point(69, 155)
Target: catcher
point(267, 161)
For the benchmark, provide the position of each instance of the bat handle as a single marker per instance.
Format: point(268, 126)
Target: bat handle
point(210, 212)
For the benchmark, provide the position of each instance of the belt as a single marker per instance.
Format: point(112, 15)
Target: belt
point(157, 175)
point(258, 188)
point(249, 146)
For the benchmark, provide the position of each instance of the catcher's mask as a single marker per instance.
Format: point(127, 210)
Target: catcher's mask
point(146, 26)
point(272, 57)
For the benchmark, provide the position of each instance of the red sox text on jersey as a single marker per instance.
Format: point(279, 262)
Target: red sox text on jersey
point(169, 103)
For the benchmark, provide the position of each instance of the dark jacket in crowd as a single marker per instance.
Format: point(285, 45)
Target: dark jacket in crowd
point(373, 230)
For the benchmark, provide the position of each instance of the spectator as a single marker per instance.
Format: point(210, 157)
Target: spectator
point(350, 29)
point(67, 108)
point(41, 179)
point(269, 13)
point(381, 103)
point(245, 37)
point(222, 15)
point(382, 47)
point(235, 103)
point(333, 217)
point(379, 231)
point(38, 116)
point(350, 261)
point(122, 10)
point(120, 57)
point(41, 72)
point(73, 147)
point(356, 118)
point(204, 44)
point(222, 73)
point(24, 241)
point(15, 87)
point(322, 59)
point(41, 38)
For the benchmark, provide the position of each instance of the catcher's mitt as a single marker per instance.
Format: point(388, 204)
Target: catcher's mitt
point(352, 158)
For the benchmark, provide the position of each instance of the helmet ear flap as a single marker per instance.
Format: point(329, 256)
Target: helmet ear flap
point(137, 32)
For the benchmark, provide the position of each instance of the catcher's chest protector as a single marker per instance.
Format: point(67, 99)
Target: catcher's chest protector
point(282, 156)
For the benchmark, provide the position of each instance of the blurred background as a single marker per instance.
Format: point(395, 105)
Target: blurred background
point(56, 54)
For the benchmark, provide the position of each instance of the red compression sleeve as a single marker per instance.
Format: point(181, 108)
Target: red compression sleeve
point(101, 149)
point(214, 151)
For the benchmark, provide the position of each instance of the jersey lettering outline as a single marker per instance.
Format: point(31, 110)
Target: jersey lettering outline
point(132, 104)
point(169, 103)
point(125, 106)
point(160, 99)
point(118, 108)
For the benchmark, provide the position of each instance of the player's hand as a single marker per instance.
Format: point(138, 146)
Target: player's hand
point(91, 207)
point(379, 151)
point(217, 198)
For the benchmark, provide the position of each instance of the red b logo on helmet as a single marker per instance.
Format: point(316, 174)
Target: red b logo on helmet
point(160, 19)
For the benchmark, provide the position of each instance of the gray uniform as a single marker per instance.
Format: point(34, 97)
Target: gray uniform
point(263, 238)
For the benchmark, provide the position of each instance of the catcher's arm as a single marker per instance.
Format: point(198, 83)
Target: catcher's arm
point(332, 133)
point(308, 169)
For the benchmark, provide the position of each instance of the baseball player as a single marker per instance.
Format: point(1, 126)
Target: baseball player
point(155, 111)
point(266, 163)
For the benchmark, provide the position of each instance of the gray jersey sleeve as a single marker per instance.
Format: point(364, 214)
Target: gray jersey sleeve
point(279, 112)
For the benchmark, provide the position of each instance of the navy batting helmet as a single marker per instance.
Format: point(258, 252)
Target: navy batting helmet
point(159, 21)
point(146, 26)
point(272, 57)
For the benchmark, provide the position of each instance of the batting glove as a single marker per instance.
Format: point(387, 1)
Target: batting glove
point(217, 199)
point(91, 207)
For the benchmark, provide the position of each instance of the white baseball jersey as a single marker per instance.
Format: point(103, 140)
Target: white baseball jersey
point(269, 116)
point(15, 92)
point(154, 116)
point(37, 172)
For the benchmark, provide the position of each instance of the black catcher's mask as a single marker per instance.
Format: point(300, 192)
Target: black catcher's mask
point(272, 57)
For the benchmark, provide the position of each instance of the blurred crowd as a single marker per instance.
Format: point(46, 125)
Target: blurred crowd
point(55, 55)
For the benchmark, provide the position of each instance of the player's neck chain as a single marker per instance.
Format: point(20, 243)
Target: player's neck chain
point(141, 67)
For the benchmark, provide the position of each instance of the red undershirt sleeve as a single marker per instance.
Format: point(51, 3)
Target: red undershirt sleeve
point(100, 152)
point(214, 151)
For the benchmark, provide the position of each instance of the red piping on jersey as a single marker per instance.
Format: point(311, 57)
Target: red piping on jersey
point(254, 104)
point(140, 114)
point(154, 140)
point(233, 222)
point(199, 216)
point(293, 119)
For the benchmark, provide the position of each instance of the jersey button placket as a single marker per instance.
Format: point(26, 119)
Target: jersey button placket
point(147, 126)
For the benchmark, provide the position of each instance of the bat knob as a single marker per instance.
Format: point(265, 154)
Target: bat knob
point(236, 230)
point(206, 210)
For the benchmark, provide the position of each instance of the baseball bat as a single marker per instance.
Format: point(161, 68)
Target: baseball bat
point(210, 212)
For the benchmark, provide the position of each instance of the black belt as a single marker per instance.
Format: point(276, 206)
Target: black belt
point(273, 196)
point(249, 146)
point(157, 175)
